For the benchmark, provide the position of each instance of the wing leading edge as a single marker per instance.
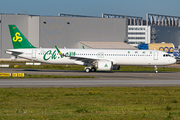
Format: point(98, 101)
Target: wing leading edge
point(83, 59)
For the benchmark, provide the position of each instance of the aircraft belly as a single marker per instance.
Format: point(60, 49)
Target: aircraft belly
point(25, 56)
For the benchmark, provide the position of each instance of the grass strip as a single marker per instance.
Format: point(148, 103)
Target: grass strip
point(49, 66)
point(81, 68)
point(46, 76)
point(148, 68)
point(108, 103)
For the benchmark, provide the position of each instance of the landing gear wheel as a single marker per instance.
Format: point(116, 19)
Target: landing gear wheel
point(155, 67)
point(93, 69)
point(87, 70)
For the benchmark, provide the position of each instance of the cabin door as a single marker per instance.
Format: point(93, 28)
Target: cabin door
point(155, 55)
point(33, 53)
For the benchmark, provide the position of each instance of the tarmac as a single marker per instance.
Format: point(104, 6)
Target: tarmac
point(102, 79)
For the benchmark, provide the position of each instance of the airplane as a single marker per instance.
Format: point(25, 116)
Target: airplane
point(94, 59)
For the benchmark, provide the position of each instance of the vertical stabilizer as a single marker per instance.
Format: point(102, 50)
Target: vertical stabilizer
point(18, 39)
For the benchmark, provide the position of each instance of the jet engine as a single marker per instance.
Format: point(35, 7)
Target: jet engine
point(104, 65)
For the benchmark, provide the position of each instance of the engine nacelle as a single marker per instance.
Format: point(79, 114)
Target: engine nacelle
point(116, 67)
point(104, 65)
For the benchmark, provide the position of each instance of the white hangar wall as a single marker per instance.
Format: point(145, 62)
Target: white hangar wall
point(33, 30)
point(67, 31)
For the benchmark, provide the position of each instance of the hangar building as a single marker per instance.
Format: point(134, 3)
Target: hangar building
point(74, 31)
point(63, 30)
point(155, 29)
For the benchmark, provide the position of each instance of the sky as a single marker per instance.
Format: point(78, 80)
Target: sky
point(91, 7)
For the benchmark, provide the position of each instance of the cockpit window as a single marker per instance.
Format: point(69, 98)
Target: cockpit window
point(166, 55)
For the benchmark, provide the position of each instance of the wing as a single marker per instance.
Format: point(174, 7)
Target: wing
point(83, 59)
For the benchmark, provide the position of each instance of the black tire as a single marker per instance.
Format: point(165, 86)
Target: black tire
point(87, 70)
point(93, 69)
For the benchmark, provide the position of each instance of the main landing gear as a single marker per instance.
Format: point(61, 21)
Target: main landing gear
point(93, 69)
point(89, 69)
point(155, 67)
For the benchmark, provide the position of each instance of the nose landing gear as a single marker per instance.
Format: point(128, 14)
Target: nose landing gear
point(155, 67)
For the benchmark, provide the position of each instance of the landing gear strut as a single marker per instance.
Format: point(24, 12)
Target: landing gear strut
point(155, 67)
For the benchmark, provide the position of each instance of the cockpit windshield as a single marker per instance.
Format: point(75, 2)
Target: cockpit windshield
point(167, 55)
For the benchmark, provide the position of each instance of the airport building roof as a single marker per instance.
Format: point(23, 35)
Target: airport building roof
point(107, 45)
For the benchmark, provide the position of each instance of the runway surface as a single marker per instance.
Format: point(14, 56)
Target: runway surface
point(85, 83)
point(102, 79)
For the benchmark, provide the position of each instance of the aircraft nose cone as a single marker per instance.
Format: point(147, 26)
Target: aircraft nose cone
point(174, 60)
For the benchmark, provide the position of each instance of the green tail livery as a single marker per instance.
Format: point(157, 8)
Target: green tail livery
point(18, 39)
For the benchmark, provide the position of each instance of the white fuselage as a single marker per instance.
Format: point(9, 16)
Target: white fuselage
point(118, 57)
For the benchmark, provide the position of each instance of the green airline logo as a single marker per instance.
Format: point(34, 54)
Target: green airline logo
point(52, 55)
point(105, 65)
point(49, 55)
